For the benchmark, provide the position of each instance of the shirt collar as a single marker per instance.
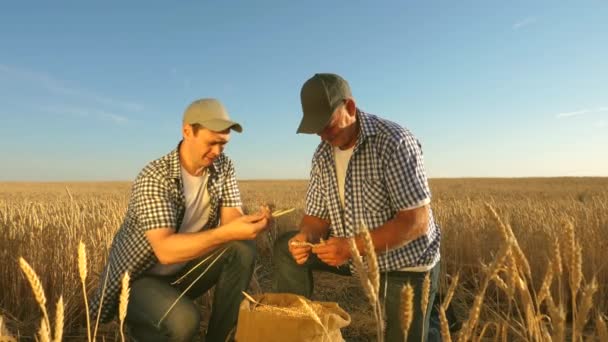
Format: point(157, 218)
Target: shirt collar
point(366, 130)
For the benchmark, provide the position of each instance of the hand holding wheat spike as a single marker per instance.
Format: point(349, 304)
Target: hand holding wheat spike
point(124, 302)
point(82, 270)
point(189, 286)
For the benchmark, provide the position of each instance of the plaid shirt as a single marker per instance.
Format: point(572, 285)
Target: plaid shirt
point(385, 174)
point(157, 201)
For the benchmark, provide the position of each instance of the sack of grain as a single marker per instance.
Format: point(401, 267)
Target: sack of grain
point(288, 317)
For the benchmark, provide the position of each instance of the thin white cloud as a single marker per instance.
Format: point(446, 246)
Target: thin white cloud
point(581, 112)
point(87, 113)
point(59, 87)
point(601, 124)
point(524, 22)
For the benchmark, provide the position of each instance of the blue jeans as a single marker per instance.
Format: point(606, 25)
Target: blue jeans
point(151, 296)
point(293, 278)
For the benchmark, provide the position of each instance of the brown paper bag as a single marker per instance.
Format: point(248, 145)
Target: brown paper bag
point(282, 317)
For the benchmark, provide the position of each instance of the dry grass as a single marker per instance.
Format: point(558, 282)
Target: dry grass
point(44, 223)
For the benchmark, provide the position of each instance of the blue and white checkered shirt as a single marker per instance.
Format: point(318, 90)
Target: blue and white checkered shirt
point(157, 201)
point(385, 174)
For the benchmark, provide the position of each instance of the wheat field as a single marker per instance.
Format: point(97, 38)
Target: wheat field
point(44, 223)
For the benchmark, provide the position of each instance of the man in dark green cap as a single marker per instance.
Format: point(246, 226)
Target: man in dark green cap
point(367, 171)
point(185, 208)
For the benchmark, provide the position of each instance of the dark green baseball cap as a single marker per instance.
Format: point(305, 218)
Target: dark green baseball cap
point(320, 96)
point(211, 114)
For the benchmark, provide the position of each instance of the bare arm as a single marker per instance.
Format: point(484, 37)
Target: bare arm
point(229, 214)
point(407, 225)
point(171, 248)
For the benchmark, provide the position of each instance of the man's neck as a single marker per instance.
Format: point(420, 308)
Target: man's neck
point(353, 140)
point(188, 165)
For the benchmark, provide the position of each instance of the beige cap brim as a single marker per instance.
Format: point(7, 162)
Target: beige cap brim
point(218, 125)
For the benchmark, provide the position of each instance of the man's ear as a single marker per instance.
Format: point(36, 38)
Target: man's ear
point(351, 107)
point(187, 130)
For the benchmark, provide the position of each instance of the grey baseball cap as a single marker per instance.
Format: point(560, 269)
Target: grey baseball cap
point(320, 96)
point(211, 114)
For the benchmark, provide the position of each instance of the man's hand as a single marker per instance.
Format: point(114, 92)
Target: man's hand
point(247, 227)
point(300, 253)
point(334, 252)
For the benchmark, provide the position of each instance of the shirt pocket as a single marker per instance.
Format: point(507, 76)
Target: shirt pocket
point(375, 196)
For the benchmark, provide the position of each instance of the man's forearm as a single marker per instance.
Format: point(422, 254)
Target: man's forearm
point(406, 226)
point(178, 248)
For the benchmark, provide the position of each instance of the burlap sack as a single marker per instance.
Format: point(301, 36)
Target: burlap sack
point(282, 317)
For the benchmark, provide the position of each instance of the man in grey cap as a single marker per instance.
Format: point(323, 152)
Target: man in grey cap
point(184, 231)
point(367, 171)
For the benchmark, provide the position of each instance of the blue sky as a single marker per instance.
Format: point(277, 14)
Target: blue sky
point(94, 91)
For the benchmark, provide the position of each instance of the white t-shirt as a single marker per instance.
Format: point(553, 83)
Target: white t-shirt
point(195, 217)
point(342, 158)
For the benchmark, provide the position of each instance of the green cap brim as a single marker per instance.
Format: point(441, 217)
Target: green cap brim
point(312, 125)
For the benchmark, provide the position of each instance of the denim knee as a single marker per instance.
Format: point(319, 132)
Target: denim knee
point(244, 251)
point(183, 323)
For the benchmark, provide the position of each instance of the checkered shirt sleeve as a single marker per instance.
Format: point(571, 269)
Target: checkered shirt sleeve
point(152, 204)
point(315, 196)
point(406, 179)
point(231, 196)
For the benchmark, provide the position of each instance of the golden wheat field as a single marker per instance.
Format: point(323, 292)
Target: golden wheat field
point(522, 259)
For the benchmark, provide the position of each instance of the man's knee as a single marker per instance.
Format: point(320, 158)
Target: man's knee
point(244, 251)
point(183, 324)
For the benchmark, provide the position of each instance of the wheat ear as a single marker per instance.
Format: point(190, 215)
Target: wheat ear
point(372, 259)
point(82, 270)
point(44, 333)
point(586, 305)
point(424, 303)
point(59, 317)
point(34, 281)
point(124, 301)
point(407, 309)
point(445, 326)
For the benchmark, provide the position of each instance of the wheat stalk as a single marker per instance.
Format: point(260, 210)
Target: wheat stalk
point(278, 213)
point(59, 317)
point(314, 316)
point(124, 301)
point(189, 286)
point(600, 327)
